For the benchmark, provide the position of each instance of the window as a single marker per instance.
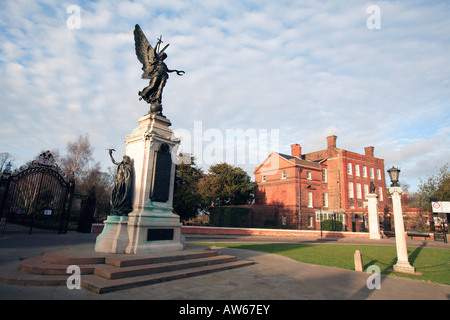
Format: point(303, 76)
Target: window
point(378, 174)
point(357, 170)
point(324, 175)
point(350, 190)
point(263, 178)
point(325, 200)
point(371, 174)
point(308, 175)
point(380, 193)
point(366, 190)
point(283, 174)
point(358, 191)
point(310, 199)
point(364, 168)
point(311, 221)
point(349, 168)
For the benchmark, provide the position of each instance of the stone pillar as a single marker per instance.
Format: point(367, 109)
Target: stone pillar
point(400, 236)
point(152, 226)
point(374, 221)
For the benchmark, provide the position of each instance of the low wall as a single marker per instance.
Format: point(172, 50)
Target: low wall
point(271, 232)
point(98, 227)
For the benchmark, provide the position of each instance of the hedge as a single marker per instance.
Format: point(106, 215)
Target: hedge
point(230, 217)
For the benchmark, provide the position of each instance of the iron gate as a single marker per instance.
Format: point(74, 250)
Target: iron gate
point(36, 199)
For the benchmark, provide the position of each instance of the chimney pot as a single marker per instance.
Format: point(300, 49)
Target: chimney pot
point(331, 142)
point(296, 150)
point(369, 151)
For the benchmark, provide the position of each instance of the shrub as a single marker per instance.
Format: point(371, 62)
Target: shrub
point(331, 225)
point(230, 217)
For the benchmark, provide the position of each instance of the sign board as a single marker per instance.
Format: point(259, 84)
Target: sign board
point(440, 206)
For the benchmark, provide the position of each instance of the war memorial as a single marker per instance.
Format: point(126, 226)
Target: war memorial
point(141, 242)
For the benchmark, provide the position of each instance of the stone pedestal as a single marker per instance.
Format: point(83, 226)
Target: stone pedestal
point(114, 237)
point(154, 229)
point(374, 221)
point(152, 226)
point(400, 236)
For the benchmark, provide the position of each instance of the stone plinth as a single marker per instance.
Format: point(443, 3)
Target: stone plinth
point(114, 237)
point(154, 229)
point(374, 221)
point(152, 226)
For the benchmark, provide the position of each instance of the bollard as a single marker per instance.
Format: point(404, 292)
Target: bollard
point(358, 261)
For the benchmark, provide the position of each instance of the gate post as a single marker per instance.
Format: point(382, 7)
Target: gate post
point(68, 199)
point(4, 183)
point(87, 212)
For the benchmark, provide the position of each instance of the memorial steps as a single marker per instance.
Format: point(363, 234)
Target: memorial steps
point(102, 273)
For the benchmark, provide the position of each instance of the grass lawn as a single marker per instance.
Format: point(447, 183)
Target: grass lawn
point(433, 263)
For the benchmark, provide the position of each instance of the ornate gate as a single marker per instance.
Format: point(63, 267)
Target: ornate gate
point(36, 199)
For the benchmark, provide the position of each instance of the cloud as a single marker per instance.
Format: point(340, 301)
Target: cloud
point(306, 68)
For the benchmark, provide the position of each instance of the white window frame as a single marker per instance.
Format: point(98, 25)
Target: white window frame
point(366, 190)
point(351, 194)
point(324, 175)
point(358, 191)
point(311, 221)
point(308, 175)
point(364, 170)
point(325, 199)
point(349, 168)
point(380, 193)
point(372, 175)
point(357, 170)
point(283, 174)
point(310, 199)
point(378, 174)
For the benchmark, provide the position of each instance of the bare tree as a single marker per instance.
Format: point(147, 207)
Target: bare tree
point(79, 157)
point(5, 158)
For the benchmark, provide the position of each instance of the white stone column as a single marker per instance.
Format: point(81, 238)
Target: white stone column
point(374, 221)
point(403, 264)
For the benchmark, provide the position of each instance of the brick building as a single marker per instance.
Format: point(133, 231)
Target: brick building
point(322, 185)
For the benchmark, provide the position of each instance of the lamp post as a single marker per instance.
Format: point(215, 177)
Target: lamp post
point(400, 238)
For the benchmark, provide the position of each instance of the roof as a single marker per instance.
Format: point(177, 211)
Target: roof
point(295, 161)
point(300, 162)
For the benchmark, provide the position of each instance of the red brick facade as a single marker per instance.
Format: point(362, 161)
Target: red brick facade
point(322, 184)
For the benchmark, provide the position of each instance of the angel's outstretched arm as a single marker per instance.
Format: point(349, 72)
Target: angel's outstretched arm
point(112, 159)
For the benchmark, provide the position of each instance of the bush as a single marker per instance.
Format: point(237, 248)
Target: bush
point(330, 225)
point(230, 217)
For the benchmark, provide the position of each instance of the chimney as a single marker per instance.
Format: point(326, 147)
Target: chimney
point(369, 151)
point(331, 141)
point(296, 150)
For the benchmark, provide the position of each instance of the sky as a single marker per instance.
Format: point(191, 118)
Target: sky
point(259, 76)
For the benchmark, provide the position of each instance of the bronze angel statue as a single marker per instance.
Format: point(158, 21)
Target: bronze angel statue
point(154, 68)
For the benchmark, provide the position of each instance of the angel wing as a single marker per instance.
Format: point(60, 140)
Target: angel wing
point(144, 52)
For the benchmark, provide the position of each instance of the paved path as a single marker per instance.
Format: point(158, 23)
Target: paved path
point(273, 277)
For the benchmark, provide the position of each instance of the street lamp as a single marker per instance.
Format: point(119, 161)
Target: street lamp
point(400, 238)
point(393, 175)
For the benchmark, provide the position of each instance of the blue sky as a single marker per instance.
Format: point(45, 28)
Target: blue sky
point(307, 69)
